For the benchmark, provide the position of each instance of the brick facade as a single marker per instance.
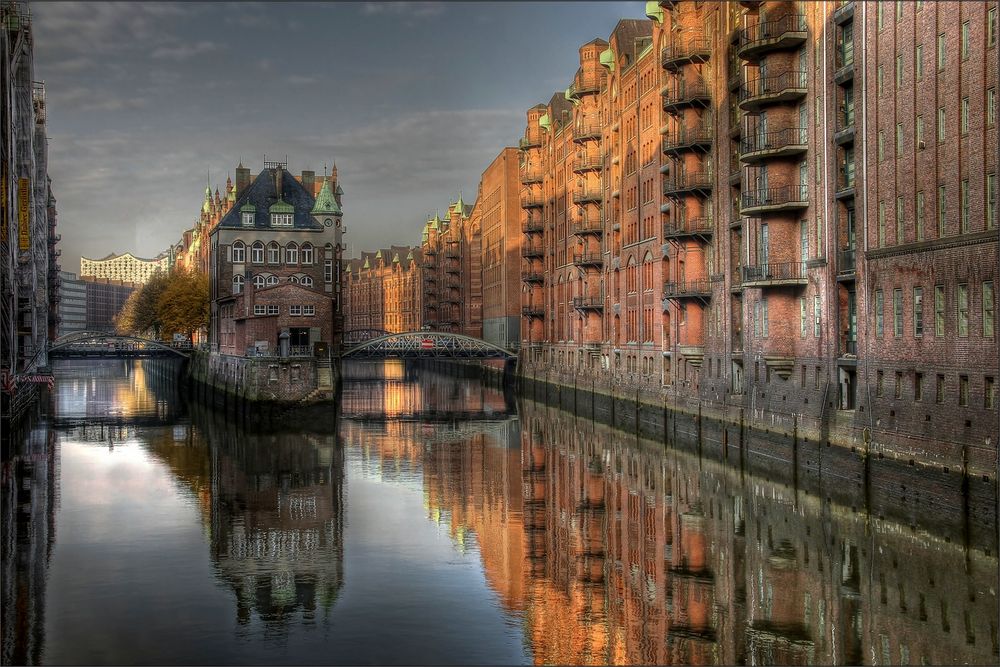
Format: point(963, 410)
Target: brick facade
point(710, 210)
point(383, 291)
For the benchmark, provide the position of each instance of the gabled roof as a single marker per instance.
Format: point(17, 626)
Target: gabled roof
point(628, 30)
point(262, 195)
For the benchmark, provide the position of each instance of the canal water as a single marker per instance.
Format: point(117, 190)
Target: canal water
point(444, 523)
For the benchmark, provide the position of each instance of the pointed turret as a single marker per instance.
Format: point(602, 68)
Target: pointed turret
point(326, 203)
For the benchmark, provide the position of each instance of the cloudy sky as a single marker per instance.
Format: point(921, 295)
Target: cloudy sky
point(412, 101)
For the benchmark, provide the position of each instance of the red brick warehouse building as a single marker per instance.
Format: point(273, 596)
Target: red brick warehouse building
point(275, 268)
point(382, 290)
point(784, 206)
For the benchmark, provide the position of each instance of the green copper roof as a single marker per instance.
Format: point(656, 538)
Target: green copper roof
point(436, 222)
point(281, 206)
point(459, 206)
point(367, 265)
point(339, 190)
point(654, 11)
point(326, 202)
point(378, 255)
point(608, 58)
point(544, 121)
point(248, 208)
point(395, 258)
point(409, 255)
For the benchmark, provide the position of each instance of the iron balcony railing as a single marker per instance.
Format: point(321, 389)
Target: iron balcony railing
point(588, 162)
point(429, 266)
point(692, 288)
point(531, 200)
point(844, 11)
point(587, 129)
point(851, 346)
point(588, 258)
point(774, 272)
point(588, 194)
point(533, 277)
point(690, 50)
point(586, 84)
point(785, 195)
point(685, 92)
point(529, 176)
point(845, 260)
point(782, 32)
point(530, 140)
point(696, 180)
point(783, 140)
point(532, 311)
point(687, 227)
point(532, 226)
point(529, 251)
point(588, 224)
point(588, 303)
point(452, 254)
point(779, 87)
point(688, 137)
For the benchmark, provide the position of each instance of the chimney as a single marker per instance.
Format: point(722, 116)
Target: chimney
point(278, 178)
point(242, 179)
point(308, 179)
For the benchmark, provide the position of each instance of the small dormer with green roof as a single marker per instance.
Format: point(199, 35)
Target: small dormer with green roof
point(248, 214)
point(282, 214)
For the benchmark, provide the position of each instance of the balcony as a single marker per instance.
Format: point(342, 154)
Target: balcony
point(843, 67)
point(846, 263)
point(774, 274)
point(697, 137)
point(583, 85)
point(588, 303)
point(532, 251)
point(584, 163)
point(778, 143)
point(529, 176)
point(589, 224)
point(687, 228)
point(685, 51)
point(845, 182)
point(785, 87)
point(844, 11)
point(684, 93)
point(452, 254)
point(692, 289)
point(429, 266)
point(588, 259)
point(532, 140)
point(533, 277)
point(588, 194)
point(787, 32)
point(587, 131)
point(532, 200)
point(845, 133)
point(850, 348)
point(532, 311)
point(453, 269)
point(782, 198)
point(532, 226)
point(697, 181)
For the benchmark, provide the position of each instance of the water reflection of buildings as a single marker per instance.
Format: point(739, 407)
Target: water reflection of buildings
point(141, 391)
point(27, 528)
point(397, 389)
point(614, 550)
point(276, 516)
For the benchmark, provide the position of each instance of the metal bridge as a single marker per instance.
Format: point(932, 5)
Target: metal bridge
point(100, 344)
point(355, 336)
point(426, 345)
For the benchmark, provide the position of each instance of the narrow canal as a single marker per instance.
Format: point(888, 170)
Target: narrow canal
point(445, 523)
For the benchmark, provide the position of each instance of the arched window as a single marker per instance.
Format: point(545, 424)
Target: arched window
point(292, 253)
point(239, 252)
point(238, 281)
point(307, 281)
point(294, 279)
point(307, 253)
point(257, 253)
point(647, 272)
point(273, 253)
point(272, 280)
point(258, 281)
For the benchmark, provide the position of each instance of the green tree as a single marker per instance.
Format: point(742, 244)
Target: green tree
point(182, 306)
point(139, 316)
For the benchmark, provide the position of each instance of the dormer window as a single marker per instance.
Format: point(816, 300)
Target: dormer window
point(248, 219)
point(282, 214)
point(248, 215)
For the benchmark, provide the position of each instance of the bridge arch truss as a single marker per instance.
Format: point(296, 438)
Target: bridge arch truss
point(426, 345)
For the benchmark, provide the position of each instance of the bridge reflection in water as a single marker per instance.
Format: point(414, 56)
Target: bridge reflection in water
point(523, 535)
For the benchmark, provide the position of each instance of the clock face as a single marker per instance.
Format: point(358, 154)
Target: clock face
point(328, 222)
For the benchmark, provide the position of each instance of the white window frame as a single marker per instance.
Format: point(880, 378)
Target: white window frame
point(273, 309)
point(282, 219)
point(259, 309)
point(306, 281)
point(259, 281)
point(292, 253)
point(239, 252)
point(272, 280)
point(308, 254)
point(248, 219)
point(257, 252)
point(238, 282)
point(308, 310)
point(295, 311)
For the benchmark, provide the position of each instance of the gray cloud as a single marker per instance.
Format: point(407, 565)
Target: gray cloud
point(411, 9)
point(183, 51)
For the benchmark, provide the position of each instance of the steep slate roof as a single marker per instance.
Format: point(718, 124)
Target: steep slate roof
point(262, 195)
point(628, 30)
